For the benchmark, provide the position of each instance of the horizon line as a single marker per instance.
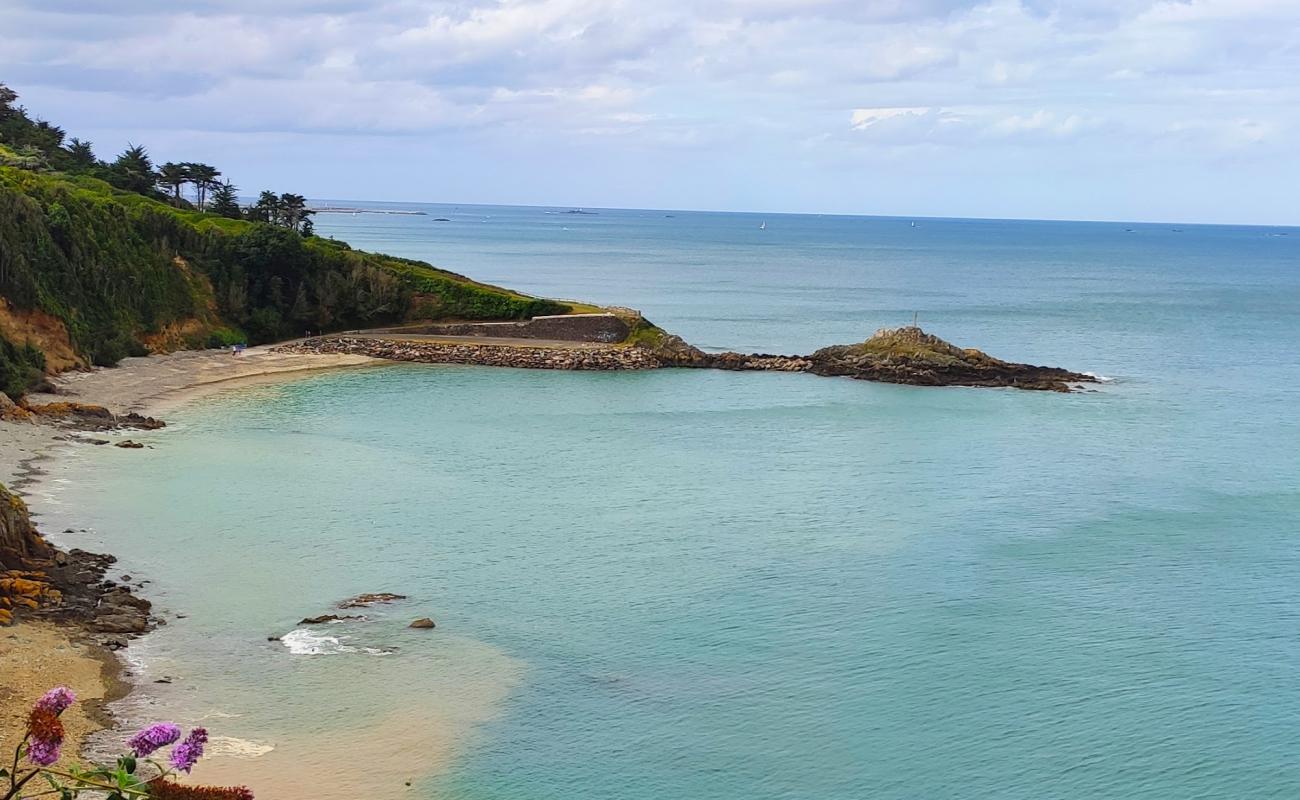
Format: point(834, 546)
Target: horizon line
point(861, 215)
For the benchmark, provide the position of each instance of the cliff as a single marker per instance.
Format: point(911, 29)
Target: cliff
point(19, 540)
point(90, 274)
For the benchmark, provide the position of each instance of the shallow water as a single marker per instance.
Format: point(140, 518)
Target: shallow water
point(719, 585)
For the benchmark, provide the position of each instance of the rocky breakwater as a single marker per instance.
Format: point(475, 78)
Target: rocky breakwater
point(910, 355)
point(899, 355)
point(484, 354)
point(673, 351)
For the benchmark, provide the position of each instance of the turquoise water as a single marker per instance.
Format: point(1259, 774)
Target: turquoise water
point(719, 585)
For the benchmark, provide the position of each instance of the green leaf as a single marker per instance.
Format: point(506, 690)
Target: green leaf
point(127, 763)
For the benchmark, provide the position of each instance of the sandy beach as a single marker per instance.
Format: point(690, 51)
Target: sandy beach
point(150, 385)
point(30, 654)
point(34, 655)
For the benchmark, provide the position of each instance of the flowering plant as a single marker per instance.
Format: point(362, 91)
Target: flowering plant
point(41, 747)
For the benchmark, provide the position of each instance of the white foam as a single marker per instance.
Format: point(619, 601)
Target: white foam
point(1099, 378)
point(302, 642)
point(240, 748)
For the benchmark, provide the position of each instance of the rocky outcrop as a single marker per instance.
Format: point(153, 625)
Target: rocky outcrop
point(86, 417)
point(490, 355)
point(912, 356)
point(422, 623)
point(19, 541)
point(903, 355)
point(42, 581)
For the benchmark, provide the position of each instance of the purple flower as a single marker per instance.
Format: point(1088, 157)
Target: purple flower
point(56, 700)
point(185, 754)
point(153, 737)
point(43, 752)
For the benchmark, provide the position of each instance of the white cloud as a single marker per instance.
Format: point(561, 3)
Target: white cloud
point(765, 77)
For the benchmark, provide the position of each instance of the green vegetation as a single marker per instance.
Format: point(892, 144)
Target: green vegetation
point(21, 367)
point(645, 334)
point(915, 344)
point(128, 268)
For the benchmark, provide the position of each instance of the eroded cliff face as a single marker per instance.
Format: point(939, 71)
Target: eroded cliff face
point(19, 541)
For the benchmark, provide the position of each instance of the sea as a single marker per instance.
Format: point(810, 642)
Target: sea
point(748, 586)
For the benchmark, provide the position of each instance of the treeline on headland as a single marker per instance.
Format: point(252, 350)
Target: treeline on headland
point(100, 260)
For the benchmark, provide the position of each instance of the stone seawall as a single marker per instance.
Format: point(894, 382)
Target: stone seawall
point(599, 328)
point(490, 355)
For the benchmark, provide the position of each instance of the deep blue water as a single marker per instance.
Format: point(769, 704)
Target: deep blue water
point(717, 585)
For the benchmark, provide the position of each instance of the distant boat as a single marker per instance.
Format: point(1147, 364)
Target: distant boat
point(913, 224)
point(763, 227)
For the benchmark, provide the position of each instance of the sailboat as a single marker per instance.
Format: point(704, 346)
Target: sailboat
point(763, 226)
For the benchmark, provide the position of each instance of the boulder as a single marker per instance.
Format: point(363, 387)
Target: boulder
point(121, 623)
point(422, 622)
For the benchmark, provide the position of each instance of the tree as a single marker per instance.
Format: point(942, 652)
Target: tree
point(225, 203)
point(204, 177)
point(80, 155)
point(132, 170)
point(294, 213)
point(173, 176)
point(266, 209)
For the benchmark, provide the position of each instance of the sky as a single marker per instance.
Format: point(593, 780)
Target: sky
point(1177, 110)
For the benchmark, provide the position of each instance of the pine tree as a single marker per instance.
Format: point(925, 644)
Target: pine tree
point(224, 202)
point(132, 171)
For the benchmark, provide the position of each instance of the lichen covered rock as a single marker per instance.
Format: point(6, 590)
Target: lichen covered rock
point(912, 356)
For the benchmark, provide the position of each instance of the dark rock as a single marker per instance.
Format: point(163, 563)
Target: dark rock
point(903, 355)
point(324, 618)
point(121, 623)
point(912, 356)
point(423, 622)
point(362, 600)
point(130, 445)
